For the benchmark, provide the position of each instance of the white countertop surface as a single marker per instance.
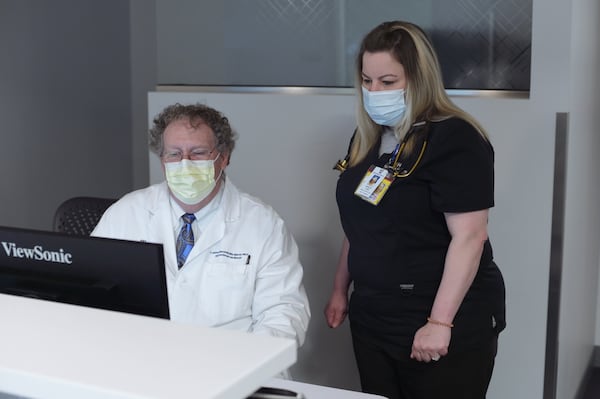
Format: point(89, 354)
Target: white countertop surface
point(54, 350)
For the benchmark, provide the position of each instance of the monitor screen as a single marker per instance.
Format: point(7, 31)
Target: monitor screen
point(126, 276)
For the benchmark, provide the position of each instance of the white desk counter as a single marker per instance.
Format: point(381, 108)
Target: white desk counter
point(52, 350)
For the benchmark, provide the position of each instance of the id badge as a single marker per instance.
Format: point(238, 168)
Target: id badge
point(374, 184)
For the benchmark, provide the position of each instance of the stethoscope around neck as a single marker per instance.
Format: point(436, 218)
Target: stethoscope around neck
point(342, 164)
point(394, 165)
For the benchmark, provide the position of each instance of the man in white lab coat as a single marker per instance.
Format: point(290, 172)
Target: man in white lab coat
point(242, 270)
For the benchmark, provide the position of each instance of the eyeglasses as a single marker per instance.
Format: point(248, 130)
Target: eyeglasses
point(198, 154)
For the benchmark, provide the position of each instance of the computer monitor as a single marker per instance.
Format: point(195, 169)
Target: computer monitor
point(126, 276)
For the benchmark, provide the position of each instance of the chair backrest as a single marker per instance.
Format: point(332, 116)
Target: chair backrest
point(79, 215)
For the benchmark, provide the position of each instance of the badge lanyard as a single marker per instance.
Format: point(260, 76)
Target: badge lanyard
point(396, 167)
point(377, 180)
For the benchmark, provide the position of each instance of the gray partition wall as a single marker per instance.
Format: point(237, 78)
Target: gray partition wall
point(65, 105)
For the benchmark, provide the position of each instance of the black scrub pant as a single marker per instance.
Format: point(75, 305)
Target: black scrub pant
point(462, 375)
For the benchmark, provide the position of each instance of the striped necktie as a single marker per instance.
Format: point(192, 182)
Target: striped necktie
point(185, 239)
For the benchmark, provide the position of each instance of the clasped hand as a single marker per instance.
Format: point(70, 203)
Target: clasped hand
point(430, 343)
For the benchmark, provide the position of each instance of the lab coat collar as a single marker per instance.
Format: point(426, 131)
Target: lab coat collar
point(226, 213)
point(231, 205)
point(161, 224)
point(158, 199)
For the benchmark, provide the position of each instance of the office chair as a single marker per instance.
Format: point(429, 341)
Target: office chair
point(79, 215)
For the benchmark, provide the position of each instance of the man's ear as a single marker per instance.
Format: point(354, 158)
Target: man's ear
point(225, 158)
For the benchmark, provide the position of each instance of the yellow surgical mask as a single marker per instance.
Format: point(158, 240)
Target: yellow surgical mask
point(191, 181)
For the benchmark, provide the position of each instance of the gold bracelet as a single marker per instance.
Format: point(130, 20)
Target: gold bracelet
point(440, 323)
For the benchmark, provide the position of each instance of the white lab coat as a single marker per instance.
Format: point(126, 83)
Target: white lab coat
point(243, 272)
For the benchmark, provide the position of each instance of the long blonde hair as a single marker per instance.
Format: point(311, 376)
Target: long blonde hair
point(426, 97)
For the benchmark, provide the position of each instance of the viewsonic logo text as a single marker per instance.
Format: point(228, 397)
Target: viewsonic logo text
point(37, 253)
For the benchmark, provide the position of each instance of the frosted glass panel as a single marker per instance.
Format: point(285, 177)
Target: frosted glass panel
point(483, 44)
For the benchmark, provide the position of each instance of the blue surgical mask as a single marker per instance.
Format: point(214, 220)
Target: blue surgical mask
point(385, 107)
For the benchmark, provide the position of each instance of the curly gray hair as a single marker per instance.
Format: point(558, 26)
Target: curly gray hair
point(195, 114)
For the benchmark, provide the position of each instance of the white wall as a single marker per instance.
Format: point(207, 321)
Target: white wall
point(286, 150)
point(586, 98)
point(582, 215)
point(288, 145)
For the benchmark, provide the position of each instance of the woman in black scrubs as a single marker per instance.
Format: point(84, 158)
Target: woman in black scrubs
point(428, 300)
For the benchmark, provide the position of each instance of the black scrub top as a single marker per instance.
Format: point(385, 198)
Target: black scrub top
point(398, 247)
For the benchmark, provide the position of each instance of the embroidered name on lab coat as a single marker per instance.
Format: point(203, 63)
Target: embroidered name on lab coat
point(232, 255)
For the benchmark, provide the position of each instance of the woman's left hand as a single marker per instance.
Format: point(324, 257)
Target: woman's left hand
point(431, 343)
